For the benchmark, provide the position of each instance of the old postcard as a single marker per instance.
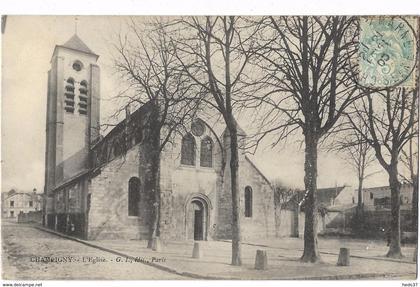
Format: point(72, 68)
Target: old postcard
point(210, 147)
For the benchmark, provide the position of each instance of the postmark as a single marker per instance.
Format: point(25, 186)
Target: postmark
point(387, 52)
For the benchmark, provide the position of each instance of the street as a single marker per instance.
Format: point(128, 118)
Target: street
point(31, 253)
point(23, 246)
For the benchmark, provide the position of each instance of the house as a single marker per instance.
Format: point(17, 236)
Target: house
point(326, 197)
point(13, 203)
point(380, 197)
point(98, 187)
point(290, 215)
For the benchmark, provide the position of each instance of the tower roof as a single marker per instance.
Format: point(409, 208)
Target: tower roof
point(75, 43)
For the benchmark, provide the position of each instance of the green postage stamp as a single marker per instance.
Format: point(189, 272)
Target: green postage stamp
point(387, 51)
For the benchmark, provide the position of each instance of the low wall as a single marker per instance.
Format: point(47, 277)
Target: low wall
point(31, 216)
point(374, 225)
point(285, 220)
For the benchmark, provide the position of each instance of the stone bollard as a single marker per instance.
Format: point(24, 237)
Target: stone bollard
point(156, 246)
point(261, 260)
point(344, 257)
point(197, 252)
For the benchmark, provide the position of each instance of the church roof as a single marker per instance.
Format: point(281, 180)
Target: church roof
point(75, 43)
point(241, 132)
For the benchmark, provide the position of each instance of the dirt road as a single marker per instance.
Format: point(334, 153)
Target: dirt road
point(29, 253)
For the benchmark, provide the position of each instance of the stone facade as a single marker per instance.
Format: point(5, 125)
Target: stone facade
point(99, 190)
point(13, 203)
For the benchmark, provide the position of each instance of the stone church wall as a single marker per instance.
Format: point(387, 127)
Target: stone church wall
point(108, 214)
point(262, 221)
point(181, 184)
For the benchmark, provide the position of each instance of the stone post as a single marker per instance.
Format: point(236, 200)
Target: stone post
point(261, 260)
point(156, 246)
point(197, 252)
point(344, 257)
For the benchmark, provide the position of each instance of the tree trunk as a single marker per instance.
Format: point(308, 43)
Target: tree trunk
point(415, 200)
point(236, 220)
point(154, 176)
point(395, 244)
point(155, 197)
point(295, 221)
point(310, 252)
point(360, 194)
point(359, 210)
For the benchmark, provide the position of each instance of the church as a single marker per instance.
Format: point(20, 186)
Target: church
point(95, 185)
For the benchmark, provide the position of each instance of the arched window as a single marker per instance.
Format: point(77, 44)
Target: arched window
point(133, 196)
point(188, 150)
point(206, 152)
point(70, 81)
point(248, 201)
point(83, 98)
point(69, 96)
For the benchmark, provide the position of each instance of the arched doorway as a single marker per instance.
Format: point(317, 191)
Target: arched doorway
point(197, 218)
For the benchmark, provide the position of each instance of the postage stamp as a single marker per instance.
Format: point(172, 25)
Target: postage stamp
point(387, 52)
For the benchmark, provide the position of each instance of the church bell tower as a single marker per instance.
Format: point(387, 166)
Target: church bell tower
point(72, 111)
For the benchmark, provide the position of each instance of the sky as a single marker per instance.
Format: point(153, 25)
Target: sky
point(27, 46)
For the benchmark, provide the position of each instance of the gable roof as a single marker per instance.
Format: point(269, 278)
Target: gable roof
point(323, 197)
point(259, 171)
point(76, 43)
point(33, 196)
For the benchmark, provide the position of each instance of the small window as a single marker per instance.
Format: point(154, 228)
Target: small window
point(77, 66)
point(83, 84)
point(72, 203)
point(188, 150)
point(206, 152)
point(248, 201)
point(31, 203)
point(371, 195)
point(83, 90)
point(12, 203)
point(133, 196)
point(198, 128)
point(118, 147)
point(12, 214)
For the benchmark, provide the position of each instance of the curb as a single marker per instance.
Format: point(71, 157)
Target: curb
point(163, 268)
point(331, 253)
point(207, 277)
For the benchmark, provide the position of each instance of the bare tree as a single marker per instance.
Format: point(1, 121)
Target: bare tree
point(215, 53)
point(145, 59)
point(309, 85)
point(359, 155)
point(409, 158)
point(390, 117)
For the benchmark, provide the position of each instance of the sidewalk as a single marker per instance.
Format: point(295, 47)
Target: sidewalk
point(283, 259)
